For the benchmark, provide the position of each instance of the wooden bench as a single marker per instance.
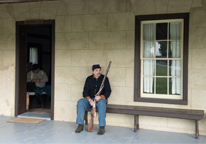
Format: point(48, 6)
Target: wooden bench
point(28, 99)
point(195, 115)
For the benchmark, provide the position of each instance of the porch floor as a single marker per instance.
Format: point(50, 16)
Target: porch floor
point(63, 132)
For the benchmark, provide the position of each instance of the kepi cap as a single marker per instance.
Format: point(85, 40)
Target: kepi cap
point(95, 67)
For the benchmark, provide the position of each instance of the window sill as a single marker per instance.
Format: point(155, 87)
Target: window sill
point(165, 101)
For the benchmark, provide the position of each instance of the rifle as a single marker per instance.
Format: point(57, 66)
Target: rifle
point(93, 111)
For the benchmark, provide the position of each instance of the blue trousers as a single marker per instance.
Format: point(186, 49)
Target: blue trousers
point(83, 103)
point(46, 89)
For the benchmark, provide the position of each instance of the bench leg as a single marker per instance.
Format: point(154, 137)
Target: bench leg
point(27, 101)
point(136, 123)
point(85, 118)
point(196, 129)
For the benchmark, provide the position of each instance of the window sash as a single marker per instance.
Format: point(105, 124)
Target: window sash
point(168, 95)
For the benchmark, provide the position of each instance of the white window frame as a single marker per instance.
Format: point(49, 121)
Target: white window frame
point(162, 96)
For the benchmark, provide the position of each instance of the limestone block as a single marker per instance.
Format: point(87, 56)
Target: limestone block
point(1, 26)
point(167, 129)
point(198, 17)
point(197, 79)
point(129, 6)
point(107, 6)
point(88, 57)
point(60, 41)
point(198, 58)
point(197, 3)
point(1, 58)
point(121, 21)
point(67, 119)
point(190, 60)
point(202, 124)
point(7, 90)
point(69, 7)
point(142, 7)
point(117, 76)
point(63, 23)
point(64, 109)
point(107, 40)
point(198, 99)
point(76, 92)
point(8, 26)
point(7, 42)
point(63, 57)
point(8, 58)
point(89, 70)
point(197, 38)
point(130, 40)
point(96, 22)
point(181, 124)
point(21, 11)
point(70, 75)
point(77, 40)
point(6, 110)
point(161, 6)
point(119, 118)
point(129, 119)
point(35, 9)
point(62, 92)
point(129, 77)
point(121, 58)
point(175, 6)
point(48, 10)
point(155, 121)
point(121, 95)
point(6, 11)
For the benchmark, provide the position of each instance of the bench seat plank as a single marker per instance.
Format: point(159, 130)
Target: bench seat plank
point(154, 111)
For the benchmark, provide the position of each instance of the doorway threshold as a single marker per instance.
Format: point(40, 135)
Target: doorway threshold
point(35, 115)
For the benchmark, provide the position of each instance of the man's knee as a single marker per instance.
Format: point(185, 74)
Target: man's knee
point(80, 102)
point(102, 102)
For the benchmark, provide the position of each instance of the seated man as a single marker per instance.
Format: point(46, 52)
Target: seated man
point(40, 78)
point(91, 87)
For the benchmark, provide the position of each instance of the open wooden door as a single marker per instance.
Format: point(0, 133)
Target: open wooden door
point(21, 75)
point(21, 61)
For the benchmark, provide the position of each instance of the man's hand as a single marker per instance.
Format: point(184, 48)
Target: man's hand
point(91, 102)
point(97, 98)
point(33, 80)
point(38, 80)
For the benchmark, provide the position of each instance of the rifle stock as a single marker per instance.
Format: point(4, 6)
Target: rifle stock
point(93, 111)
point(90, 127)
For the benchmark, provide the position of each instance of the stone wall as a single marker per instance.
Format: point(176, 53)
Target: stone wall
point(98, 31)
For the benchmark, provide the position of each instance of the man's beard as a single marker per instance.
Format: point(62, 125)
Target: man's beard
point(98, 75)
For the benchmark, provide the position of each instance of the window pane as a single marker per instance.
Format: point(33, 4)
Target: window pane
point(148, 49)
point(175, 49)
point(33, 56)
point(161, 31)
point(148, 67)
point(175, 30)
point(161, 68)
point(148, 85)
point(175, 67)
point(161, 85)
point(175, 86)
point(161, 49)
point(148, 31)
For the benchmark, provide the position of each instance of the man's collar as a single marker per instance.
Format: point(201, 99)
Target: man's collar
point(95, 77)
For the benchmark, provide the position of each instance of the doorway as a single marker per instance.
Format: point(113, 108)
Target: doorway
point(34, 45)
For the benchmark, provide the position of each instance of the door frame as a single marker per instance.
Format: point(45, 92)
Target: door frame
point(17, 72)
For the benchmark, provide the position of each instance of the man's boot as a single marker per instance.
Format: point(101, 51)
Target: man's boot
point(79, 128)
point(40, 99)
point(101, 130)
point(48, 99)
